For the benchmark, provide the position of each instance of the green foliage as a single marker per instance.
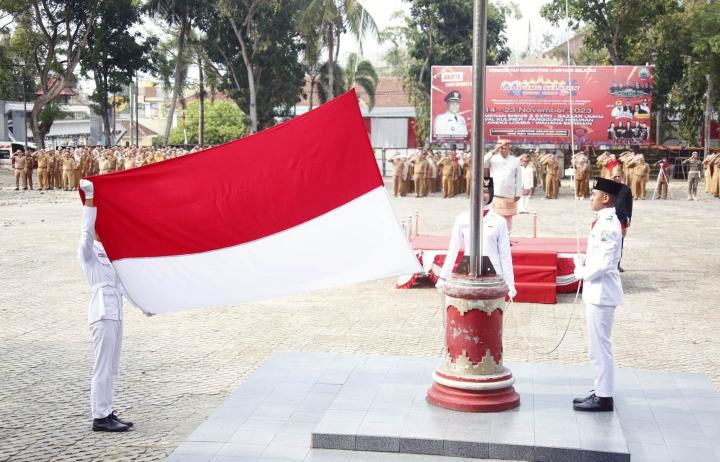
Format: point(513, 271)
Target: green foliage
point(439, 32)
point(113, 55)
point(224, 121)
point(274, 45)
point(361, 74)
point(616, 25)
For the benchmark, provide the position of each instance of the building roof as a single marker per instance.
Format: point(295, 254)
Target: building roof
point(142, 129)
point(389, 93)
point(67, 91)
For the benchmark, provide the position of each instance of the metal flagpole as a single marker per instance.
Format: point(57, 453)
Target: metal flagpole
point(478, 134)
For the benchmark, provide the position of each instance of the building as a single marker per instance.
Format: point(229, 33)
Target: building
point(390, 123)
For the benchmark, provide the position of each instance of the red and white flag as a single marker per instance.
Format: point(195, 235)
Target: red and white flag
point(297, 207)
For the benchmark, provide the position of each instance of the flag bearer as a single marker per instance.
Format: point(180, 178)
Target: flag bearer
point(104, 317)
point(602, 292)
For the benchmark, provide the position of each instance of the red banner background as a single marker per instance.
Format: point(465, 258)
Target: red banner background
point(531, 104)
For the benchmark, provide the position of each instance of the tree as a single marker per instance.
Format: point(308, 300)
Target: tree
point(356, 73)
point(273, 47)
point(616, 25)
point(331, 18)
point(57, 32)
point(114, 54)
point(224, 122)
point(440, 32)
point(181, 14)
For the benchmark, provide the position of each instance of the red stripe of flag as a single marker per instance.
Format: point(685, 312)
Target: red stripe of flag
point(240, 191)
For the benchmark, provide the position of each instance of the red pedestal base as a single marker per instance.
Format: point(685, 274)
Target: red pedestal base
point(473, 401)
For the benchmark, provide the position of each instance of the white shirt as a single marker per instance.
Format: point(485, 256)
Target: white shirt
point(496, 245)
point(449, 124)
point(506, 175)
point(106, 298)
point(600, 275)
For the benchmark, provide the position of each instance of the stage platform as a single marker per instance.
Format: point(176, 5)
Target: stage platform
point(543, 266)
point(373, 408)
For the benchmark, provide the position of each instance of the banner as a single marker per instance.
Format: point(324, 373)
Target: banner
point(532, 104)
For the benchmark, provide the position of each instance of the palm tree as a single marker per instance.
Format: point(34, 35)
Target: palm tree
point(361, 74)
point(331, 18)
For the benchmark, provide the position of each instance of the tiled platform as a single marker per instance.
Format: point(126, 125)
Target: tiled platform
point(361, 404)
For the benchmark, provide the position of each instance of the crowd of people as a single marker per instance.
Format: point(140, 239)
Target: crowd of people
point(62, 168)
point(449, 172)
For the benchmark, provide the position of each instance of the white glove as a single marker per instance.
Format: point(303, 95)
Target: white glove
point(579, 260)
point(579, 272)
point(512, 292)
point(88, 188)
point(440, 284)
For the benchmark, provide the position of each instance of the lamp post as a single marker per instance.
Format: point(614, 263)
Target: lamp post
point(24, 83)
point(471, 376)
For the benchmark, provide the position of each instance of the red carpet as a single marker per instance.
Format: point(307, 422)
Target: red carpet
point(543, 266)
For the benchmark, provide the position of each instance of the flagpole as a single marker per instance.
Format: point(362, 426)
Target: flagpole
point(478, 133)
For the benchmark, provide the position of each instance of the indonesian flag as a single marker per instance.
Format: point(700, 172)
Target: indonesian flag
point(298, 207)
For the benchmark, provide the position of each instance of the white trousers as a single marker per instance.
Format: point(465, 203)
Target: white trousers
point(524, 201)
point(599, 328)
point(107, 342)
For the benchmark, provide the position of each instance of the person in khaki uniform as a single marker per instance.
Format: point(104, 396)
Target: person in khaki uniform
point(68, 172)
point(159, 157)
point(43, 171)
point(104, 164)
point(50, 170)
point(716, 176)
point(431, 176)
point(398, 164)
point(549, 161)
point(18, 161)
point(625, 158)
point(600, 163)
point(59, 158)
point(128, 162)
point(448, 176)
point(29, 167)
point(710, 172)
point(640, 176)
point(663, 178)
point(581, 166)
point(420, 168)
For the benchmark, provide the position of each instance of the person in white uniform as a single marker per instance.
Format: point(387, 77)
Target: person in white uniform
point(104, 317)
point(496, 242)
point(504, 169)
point(528, 182)
point(602, 292)
point(451, 124)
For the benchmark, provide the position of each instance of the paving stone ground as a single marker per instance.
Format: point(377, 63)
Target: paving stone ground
point(176, 369)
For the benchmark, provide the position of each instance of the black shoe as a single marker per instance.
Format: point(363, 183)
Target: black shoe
point(582, 400)
point(620, 269)
point(108, 424)
point(118, 419)
point(595, 404)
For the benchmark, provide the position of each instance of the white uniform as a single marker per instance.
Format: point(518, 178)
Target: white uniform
point(528, 180)
point(602, 293)
point(506, 175)
point(104, 315)
point(496, 245)
point(450, 125)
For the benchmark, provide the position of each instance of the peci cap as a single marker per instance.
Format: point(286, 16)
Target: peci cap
point(488, 183)
point(453, 96)
point(608, 186)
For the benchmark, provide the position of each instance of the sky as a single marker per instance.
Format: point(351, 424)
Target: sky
point(517, 31)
